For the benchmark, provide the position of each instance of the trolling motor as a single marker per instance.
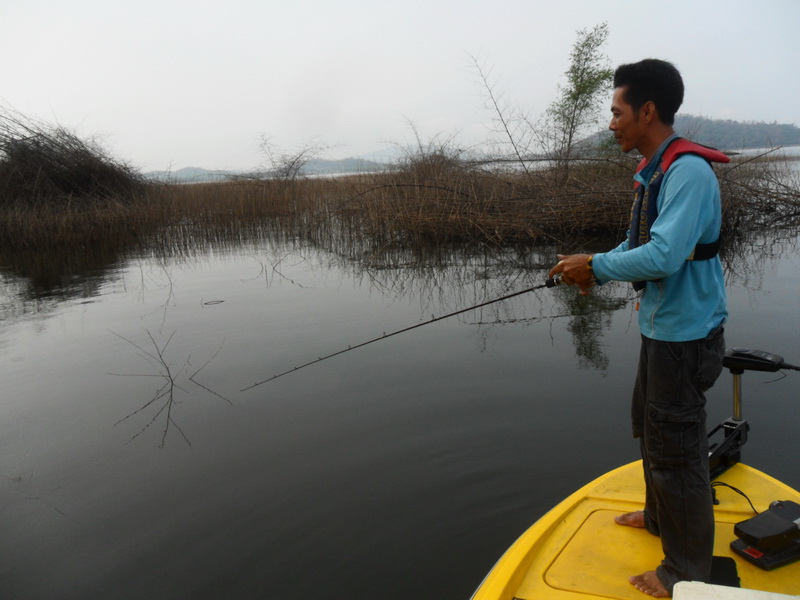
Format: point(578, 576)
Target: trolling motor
point(772, 538)
point(726, 453)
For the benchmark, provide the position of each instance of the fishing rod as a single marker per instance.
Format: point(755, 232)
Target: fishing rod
point(551, 282)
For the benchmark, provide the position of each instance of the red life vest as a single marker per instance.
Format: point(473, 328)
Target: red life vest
point(645, 206)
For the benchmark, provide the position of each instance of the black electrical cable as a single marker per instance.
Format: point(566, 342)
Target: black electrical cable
point(737, 490)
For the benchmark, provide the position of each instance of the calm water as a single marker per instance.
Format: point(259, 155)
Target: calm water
point(133, 466)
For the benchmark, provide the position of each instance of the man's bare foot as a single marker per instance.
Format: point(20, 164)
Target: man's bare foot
point(649, 583)
point(631, 519)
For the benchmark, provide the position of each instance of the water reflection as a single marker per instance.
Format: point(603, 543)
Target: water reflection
point(73, 272)
point(173, 380)
point(37, 282)
point(439, 279)
point(416, 460)
point(590, 316)
point(436, 281)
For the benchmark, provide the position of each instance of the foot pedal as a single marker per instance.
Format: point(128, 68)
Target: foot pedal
point(771, 539)
point(771, 559)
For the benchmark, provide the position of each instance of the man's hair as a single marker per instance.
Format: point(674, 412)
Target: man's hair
point(652, 80)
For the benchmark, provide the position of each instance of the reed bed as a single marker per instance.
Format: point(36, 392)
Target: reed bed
point(760, 193)
point(437, 201)
point(58, 193)
point(70, 213)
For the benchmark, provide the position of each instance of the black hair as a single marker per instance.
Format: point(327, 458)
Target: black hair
point(652, 80)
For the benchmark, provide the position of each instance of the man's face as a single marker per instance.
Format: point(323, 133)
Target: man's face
point(625, 122)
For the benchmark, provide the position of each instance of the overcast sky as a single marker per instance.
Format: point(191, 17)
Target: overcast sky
point(174, 83)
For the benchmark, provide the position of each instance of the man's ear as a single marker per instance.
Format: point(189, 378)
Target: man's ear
point(648, 112)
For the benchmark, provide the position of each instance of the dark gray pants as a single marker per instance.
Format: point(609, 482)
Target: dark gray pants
point(669, 416)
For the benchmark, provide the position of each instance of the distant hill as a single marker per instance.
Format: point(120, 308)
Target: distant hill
point(736, 135)
point(313, 167)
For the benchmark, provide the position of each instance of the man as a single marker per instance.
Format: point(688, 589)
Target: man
point(670, 252)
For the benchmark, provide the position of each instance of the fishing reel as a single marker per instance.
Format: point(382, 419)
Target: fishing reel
point(553, 281)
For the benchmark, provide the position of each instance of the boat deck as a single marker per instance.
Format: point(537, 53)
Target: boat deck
point(576, 551)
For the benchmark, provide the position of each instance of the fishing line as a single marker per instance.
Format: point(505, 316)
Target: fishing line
point(551, 282)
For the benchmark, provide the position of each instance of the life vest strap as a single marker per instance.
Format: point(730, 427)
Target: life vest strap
point(706, 251)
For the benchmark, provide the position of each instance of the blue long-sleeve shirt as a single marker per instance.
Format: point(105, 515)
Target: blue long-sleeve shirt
point(689, 300)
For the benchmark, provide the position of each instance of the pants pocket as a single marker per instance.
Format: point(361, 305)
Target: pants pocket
point(674, 436)
point(710, 353)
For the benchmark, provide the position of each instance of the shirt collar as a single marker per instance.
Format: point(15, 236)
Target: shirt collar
point(646, 173)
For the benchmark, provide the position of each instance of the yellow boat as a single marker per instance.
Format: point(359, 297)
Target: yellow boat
point(577, 552)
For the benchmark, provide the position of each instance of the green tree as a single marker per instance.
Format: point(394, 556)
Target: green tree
point(576, 111)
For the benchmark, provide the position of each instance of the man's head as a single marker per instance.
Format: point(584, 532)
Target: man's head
point(651, 80)
point(647, 95)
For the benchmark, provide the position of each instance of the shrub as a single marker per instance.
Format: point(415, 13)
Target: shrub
point(39, 163)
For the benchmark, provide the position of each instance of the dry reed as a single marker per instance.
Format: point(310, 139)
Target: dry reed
point(43, 163)
point(432, 199)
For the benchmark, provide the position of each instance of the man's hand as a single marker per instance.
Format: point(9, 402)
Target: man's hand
point(574, 270)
